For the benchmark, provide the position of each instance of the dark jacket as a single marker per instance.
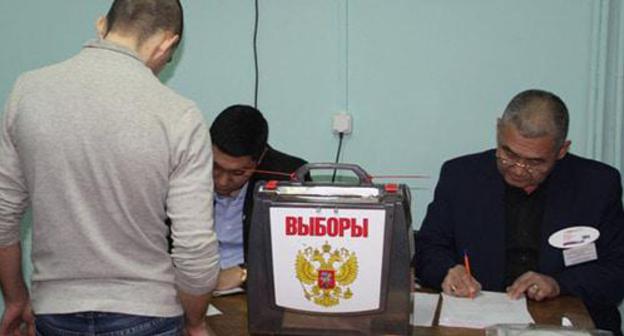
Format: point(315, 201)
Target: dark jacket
point(468, 213)
point(273, 160)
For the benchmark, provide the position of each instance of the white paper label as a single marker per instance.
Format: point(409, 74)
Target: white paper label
point(573, 237)
point(327, 260)
point(581, 254)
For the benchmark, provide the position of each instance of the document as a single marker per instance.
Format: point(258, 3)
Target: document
point(235, 290)
point(212, 311)
point(425, 305)
point(485, 309)
point(539, 330)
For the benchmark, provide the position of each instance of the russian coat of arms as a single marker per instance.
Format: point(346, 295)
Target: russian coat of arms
point(325, 274)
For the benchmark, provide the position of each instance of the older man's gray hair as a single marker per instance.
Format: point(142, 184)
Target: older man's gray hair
point(537, 113)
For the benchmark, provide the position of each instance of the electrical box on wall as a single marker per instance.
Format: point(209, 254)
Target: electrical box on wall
point(342, 123)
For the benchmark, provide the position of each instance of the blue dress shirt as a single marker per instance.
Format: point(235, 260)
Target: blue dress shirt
point(229, 226)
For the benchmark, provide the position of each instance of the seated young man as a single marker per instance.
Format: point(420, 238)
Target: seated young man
point(239, 143)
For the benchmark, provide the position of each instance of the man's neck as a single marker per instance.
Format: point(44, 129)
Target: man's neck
point(530, 189)
point(235, 193)
point(126, 42)
point(123, 41)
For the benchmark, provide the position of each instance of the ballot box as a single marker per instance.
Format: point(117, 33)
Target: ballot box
point(329, 259)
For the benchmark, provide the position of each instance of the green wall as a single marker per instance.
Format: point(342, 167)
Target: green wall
point(423, 79)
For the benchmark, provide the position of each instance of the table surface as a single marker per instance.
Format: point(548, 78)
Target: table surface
point(234, 318)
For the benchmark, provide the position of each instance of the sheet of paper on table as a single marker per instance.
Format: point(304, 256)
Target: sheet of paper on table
point(539, 330)
point(425, 305)
point(212, 311)
point(485, 309)
point(230, 291)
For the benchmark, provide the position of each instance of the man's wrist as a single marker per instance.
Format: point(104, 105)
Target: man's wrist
point(18, 296)
point(243, 276)
point(195, 327)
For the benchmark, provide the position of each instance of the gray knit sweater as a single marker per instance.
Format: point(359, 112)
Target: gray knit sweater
point(104, 153)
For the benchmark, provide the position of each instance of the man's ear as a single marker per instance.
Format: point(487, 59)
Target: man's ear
point(166, 47)
point(101, 25)
point(158, 50)
point(499, 127)
point(564, 149)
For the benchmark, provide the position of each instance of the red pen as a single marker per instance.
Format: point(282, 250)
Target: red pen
point(467, 266)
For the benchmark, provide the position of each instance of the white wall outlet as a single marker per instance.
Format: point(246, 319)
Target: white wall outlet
point(342, 123)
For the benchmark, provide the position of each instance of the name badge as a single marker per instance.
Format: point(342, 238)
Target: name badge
point(577, 243)
point(574, 236)
point(579, 255)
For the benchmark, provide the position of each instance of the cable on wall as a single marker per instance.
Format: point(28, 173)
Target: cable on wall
point(346, 102)
point(346, 37)
point(340, 137)
point(255, 54)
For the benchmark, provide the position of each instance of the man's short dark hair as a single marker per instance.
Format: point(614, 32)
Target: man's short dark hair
point(146, 17)
point(240, 130)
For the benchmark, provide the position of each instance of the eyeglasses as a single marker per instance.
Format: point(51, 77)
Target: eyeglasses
point(530, 168)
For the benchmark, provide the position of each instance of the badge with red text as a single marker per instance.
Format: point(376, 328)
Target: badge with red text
point(327, 260)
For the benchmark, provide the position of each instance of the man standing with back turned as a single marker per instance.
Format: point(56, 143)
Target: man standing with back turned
point(105, 153)
point(503, 205)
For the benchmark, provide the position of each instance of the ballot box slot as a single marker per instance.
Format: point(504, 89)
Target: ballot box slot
point(332, 199)
point(326, 190)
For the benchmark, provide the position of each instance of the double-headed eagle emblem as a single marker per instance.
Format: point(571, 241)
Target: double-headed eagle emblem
point(325, 275)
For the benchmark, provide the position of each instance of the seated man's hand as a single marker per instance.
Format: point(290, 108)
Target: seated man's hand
point(230, 278)
point(536, 286)
point(459, 283)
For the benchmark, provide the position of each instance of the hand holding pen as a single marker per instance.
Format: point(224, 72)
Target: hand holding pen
point(460, 282)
